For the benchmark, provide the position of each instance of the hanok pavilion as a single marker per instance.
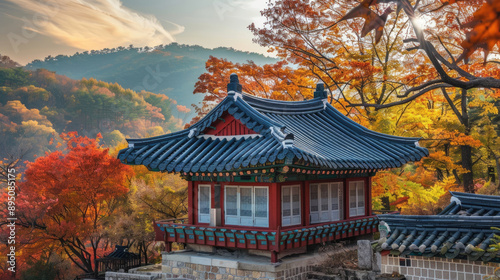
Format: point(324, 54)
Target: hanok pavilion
point(272, 177)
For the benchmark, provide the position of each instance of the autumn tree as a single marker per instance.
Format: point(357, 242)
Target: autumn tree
point(412, 47)
point(276, 81)
point(69, 197)
point(314, 35)
point(152, 197)
point(474, 25)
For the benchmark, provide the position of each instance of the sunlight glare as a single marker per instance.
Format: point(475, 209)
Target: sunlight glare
point(419, 23)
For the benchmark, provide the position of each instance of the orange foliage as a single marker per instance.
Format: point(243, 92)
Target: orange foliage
point(484, 30)
point(275, 81)
point(67, 197)
point(457, 138)
point(481, 32)
point(413, 191)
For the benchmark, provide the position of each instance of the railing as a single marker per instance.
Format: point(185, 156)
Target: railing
point(380, 212)
point(115, 264)
point(174, 220)
point(268, 240)
point(89, 276)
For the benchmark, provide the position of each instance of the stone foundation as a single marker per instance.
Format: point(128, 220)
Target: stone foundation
point(422, 268)
point(130, 276)
point(193, 265)
point(148, 272)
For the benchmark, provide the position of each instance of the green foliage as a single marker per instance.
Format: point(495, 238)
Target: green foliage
point(40, 270)
point(13, 77)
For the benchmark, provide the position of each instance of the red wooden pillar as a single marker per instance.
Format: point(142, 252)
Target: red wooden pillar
point(190, 202)
point(306, 204)
point(275, 252)
point(274, 257)
point(346, 200)
point(222, 207)
point(212, 195)
point(274, 206)
point(368, 196)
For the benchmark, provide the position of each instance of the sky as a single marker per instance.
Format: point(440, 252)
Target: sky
point(34, 29)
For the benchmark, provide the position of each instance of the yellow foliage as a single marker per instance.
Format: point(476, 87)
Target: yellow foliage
point(412, 192)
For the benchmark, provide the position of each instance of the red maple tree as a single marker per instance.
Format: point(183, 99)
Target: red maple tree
point(67, 199)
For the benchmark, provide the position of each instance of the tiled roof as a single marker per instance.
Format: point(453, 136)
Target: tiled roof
point(464, 225)
point(472, 205)
point(311, 131)
point(121, 252)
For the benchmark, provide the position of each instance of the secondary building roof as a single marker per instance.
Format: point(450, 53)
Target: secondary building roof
point(463, 226)
point(303, 133)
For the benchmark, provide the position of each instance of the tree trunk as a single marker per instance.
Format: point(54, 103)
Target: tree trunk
point(145, 248)
point(497, 161)
point(467, 178)
point(96, 266)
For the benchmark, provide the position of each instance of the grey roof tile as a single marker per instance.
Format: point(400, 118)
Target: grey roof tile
point(455, 232)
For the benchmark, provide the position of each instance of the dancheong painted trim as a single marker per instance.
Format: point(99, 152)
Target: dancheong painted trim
point(268, 240)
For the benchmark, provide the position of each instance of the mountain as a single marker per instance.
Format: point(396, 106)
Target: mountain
point(171, 70)
point(37, 106)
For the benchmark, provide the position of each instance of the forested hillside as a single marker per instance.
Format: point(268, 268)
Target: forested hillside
point(171, 70)
point(36, 106)
point(51, 126)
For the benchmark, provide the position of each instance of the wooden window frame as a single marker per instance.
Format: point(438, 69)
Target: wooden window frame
point(299, 216)
point(358, 196)
point(238, 207)
point(340, 198)
point(209, 203)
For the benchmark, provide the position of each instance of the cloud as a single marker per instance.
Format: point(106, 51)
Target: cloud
point(95, 24)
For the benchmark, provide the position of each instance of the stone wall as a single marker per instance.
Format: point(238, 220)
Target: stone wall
point(148, 272)
point(422, 268)
point(193, 265)
point(130, 276)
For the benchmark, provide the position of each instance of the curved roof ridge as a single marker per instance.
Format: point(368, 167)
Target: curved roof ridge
point(284, 107)
point(472, 199)
point(247, 108)
point(224, 103)
point(430, 221)
point(363, 129)
point(152, 140)
point(474, 195)
point(345, 127)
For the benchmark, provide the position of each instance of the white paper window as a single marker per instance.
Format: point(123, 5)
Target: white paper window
point(204, 203)
point(246, 206)
point(290, 205)
point(261, 210)
point(231, 201)
point(326, 203)
point(261, 216)
point(246, 202)
point(356, 198)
